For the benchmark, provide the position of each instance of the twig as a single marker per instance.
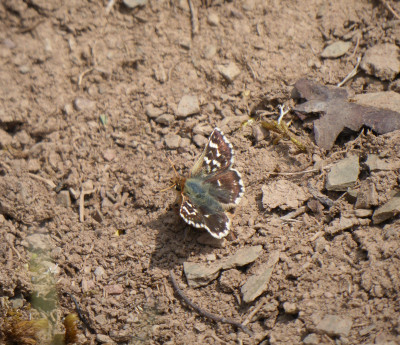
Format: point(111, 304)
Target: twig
point(323, 199)
point(82, 203)
point(204, 313)
point(193, 19)
point(32, 27)
point(109, 6)
point(392, 11)
point(83, 74)
point(355, 49)
point(50, 183)
point(351, 74)
point(255, 311)
point(293, 173)
point(290, 216)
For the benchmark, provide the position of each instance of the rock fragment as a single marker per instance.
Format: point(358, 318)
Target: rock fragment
point(165, 119)
point(335, 50)
point(343, 174)
point(172, 141)
point(188, 105)
point(229, 72)
point(382, 61)
point(276, 194)
point(388, 210)
point(335, 326)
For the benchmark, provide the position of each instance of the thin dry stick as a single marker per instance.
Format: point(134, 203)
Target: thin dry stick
point(255, 311)
point(204, 313)
point(193, 18)
point(392, 11)
point(351, 74)
point(110, 6)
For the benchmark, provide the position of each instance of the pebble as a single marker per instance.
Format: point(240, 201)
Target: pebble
point(312, 339)
point(276, 194)
point(343, 174)
point(102, 338)
point(388, 210)
point(213, 19)
point(367, 195)
point(134, 3)
point(374, 163)
point(99, 272)
point(109, 155)
point(188, 105)
point(209, 51)
point(165, 119)
point(382, 61)
point(64, 199)
point(172, 141)
point(34, 165)
point(199, 140)
point(362, 213)
point(335, 325)
point(87, 185)
point(185, 143)
point(153, 112)
point(81, 104)
point(203, 129)
point(335, 50)
point(229, 72)
point(115, 289)
point(290, 308)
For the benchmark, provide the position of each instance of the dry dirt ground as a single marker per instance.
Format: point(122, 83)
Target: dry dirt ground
point(83, 160)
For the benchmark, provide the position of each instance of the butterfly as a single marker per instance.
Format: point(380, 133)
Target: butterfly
point(211, 188)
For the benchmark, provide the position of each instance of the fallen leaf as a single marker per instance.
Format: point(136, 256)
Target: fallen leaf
point(338, 113)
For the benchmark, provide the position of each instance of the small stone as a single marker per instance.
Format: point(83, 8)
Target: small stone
point(259, 133)
point(34, 165)
point(134, 3)
point(185, 43)
point(367, 195)
point(165, 119)
point(109, 155)
point(335, 326)
point(199, 140)
point(188, 105)
point(229, 72)
point(97, 215)
point(153, 112)
point(185, 143)
point(230, 280)
point(341, 224)
point(242, 257)
point(183, 5)
point(88, 186)
point(209, 51)
point(115, 289)
point(17, 303)
point(81, 104)
point(312, 339)
point(99, 272)
point(102, 338)
point(290, 308)
point(362, 213)
point(211, 257)
point(68, 109)
point(74, 193)
point(258, 283)
point(200, 327)
point(213, 19)
point(64, 199)
point(172, 141)
point(200, 274)
point(24, 69)
point(388, 210)
point(160, 74)
point(382, 61)
point(343, 174)
point(374, 163)
point(5, 138)
point(38, 241)
point(202, 128)
point(336, 50)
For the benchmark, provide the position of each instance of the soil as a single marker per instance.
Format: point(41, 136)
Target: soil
point(83, 162)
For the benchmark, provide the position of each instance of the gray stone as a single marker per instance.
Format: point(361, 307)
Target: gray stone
point(242, 257)
point(82, 104)
point(229, 72)
point(258, 283)
point(213, 19)
point(336, 50)
point(362, 213)
point(199, 274)
point(153, 112)
point(382, 61)
point(312, 339)
point(165, 119)
point(199, 140)
point(99, 272)
point(172, 141)
point(64, 199)
point(388, 210)
point(389, 100)
point(367, 195)
point(134, 3)
point(335, 326)
point(374, 163)
point(343, 174)
point(188, 105)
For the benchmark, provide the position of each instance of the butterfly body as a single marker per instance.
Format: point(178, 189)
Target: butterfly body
point(211, 188)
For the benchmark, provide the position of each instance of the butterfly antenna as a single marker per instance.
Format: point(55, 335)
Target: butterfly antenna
point(165, 189)
point(176, 173)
